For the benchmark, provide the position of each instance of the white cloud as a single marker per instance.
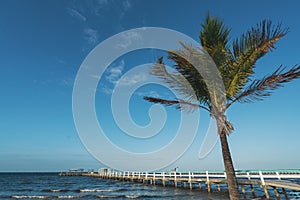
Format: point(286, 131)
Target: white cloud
point(87, 10)
point(133, 79)
point(128, 38)
point(98, 6)
point(151, 93)
point(125, 7)
point(115, 72)
point(106, 90)
point(91, 35)
point(76, 14)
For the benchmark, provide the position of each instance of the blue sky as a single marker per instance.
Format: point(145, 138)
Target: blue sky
point(43, 44)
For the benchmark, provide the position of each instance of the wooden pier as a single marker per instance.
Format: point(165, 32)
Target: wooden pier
point(72, 172)
point(265, 179)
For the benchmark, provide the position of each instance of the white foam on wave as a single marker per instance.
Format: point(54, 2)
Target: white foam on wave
point(106, 190)
point(132, 196)
point(103, 196)
point(96, 190)
point(87, 190)
point(68, 197)
point(29, 197)
point(44, 197)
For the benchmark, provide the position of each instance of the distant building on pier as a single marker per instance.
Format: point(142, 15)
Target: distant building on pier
point(105, 171)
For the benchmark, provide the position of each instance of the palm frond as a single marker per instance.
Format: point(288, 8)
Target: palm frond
point(251, 46)
point(189, 107)
point(178, 104)
point(259, 89)
point(187, 61)
point(214, 39)
point(174, 80)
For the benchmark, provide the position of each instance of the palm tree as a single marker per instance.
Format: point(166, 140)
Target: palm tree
point(235, 61)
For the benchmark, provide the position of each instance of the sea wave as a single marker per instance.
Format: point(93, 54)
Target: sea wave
point(83, 190)
point(132, 196)
point(30, 197)
point(127, 196)
point(55, 190)
point(23, 190)
point(99, 190)
point(111, 197)
point(44, 197)
point(68, 197)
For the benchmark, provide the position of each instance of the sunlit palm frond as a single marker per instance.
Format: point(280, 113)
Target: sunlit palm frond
point(259, 89)
point(251, 46)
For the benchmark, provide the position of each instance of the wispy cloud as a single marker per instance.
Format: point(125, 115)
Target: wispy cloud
point(89, 12)
point(91, 35)
point(132, 79)
point(115, 72)
point(105, 89)
point(115, 76)
point(121, 6)
point(129, 38)
point(151, 93)
point(60, 61)
point(125, 7)
point(76, 14)
point(102, 3)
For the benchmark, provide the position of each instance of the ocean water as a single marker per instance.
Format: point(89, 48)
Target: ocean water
point(52, 186)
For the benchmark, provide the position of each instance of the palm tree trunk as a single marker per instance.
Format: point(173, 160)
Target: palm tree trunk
point(230, 173)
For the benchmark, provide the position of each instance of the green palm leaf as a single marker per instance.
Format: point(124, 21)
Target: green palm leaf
point(259, 89)
point(174, 80)
point(251, 46)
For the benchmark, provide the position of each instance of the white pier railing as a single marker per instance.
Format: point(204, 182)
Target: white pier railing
point(247, 174)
